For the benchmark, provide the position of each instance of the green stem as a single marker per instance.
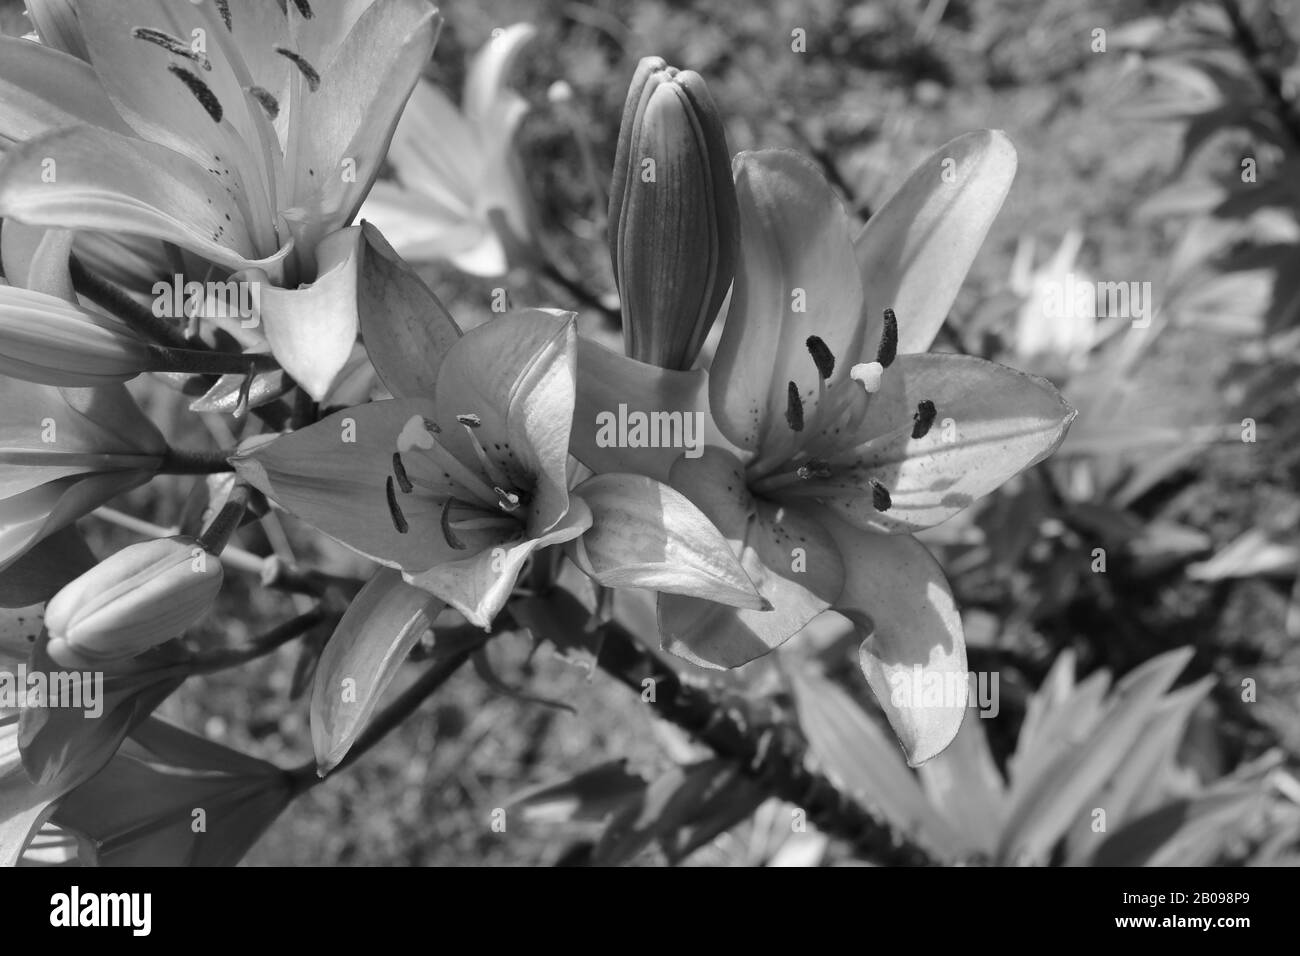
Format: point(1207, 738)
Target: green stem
point(210, 661)
point(109, 296)
point(193, 461)
point(211, 362)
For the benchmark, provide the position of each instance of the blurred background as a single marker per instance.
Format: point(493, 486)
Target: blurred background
point(1133, 121)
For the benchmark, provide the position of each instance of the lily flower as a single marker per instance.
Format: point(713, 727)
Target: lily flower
point(831, 436)
point(245, 133)
point(65, 452)
point(462, 476)
point(460, 192)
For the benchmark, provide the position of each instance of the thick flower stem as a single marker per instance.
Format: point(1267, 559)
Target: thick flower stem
point(183, 461)
point(771, 752)
point(109, 296)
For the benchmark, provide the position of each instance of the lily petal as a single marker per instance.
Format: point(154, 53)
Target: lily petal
point(486, 93)
point(915, 251)
point(791, 560)
point(103, 181)
point(914, 652)
point(333, 476)
point(406, 329)
point(516, 373)
point(311, 330)
point(992, 422)
point(611, 385)
point(43, 89)
point(479, 586)
point(422, 229)
point(647, 535)
point(796, 277)
point(382, 624)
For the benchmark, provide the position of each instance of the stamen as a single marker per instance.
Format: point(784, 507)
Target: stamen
point(923, 419)
point(822, 356)
point(223, 6)
point(399, 470)
point(207, 99)
point(306, 69)
point(868, 374)
point(793, 408)
point(470, 421)
point(399, 519)
point(270, 105)
point(498, 478)
point(432, 427)
point(417, 435)
point(171, 44)
point(507, 500)
point(449, 535)
point(813, 468)
point(303, 8)
point(483, 524)
point(880, 499)
point(888, 350)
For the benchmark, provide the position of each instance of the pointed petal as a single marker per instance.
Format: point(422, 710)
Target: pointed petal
point(103, 181)
point(647, 535)
point(311, 330)
point(351, 117)
point(516, 373)
point(914, 253)
point(991, 423)
point(382, 624)
point(612, 386)
point(485, 83)
point(796, 277)
point(37, 259)
point(435, 151)
point(42, 89)
point(479, 586)
point(407, 331)
point(422, 229)
point(333, 476)
point(914, 652)
point(791, 560)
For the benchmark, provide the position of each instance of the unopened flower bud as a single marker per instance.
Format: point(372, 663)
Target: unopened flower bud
point(142, 596)
point(673, 221)
point(46, 340)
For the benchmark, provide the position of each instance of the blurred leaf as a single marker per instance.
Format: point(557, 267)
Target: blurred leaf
point(588, 797)
point(964, 784)
point(1183, 833)
point(1256, 553)
point(733, 800)
point(383, 623)
point(1049, 803)
point(863, 760)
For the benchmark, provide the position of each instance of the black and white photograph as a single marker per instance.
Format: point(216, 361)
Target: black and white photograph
point(639, 433)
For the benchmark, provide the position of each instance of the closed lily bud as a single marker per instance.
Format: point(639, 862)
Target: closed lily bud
point(673, 221)
point(140, 597)
point(46, 340)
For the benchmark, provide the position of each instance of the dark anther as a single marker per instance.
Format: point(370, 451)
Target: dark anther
point(399, 519)
point(880, 499)
point(399, 470)
point(447, 533)
point(923, 418)
point(888, 350)
point(207, 99)
point(270, 105)
point(224, 7)
point(171, 44)
point(306, 69)
point(432, 427)
point(794, 408)
point(303, 8)
point(821, 356)
point(813, 468)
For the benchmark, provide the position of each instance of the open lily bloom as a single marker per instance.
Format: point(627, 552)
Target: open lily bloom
point(830, 435)
point(462, 476)
point(460, 193)
point(244, 133)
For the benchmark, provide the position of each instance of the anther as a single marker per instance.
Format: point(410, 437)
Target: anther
point(432, 427)
point(495, 475)
point(207, 99)
point(223, 6)
point(888, 350)
point(813, 468)
point(399, 519)
point(171, 44)
point(399, 470)
point(270, 105)
point(923, 419)
point(449, 535)
point(880, 499)
point(303, 8)
point(821, 356)
point(470, 421)
point(506, 500)
point(793, 408)
point(306, 69)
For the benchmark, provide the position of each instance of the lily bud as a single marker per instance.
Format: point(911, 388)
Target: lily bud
point(140, 597)
point(46, 340)
point(673, 220)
